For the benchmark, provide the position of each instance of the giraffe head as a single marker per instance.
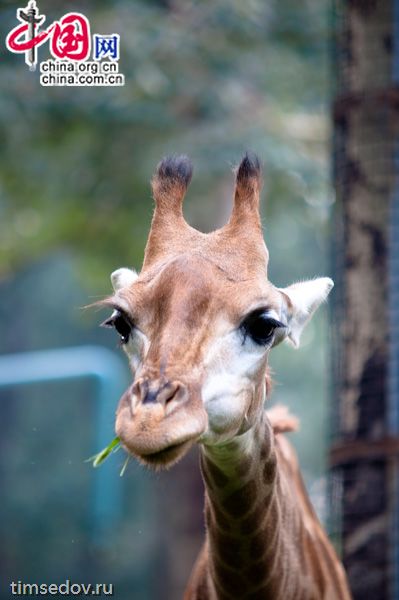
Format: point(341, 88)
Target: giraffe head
point(199, 320)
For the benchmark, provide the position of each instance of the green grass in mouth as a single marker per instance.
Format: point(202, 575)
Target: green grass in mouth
point(100, 457)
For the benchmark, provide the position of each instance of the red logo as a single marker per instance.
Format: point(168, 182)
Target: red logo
point(69, 37)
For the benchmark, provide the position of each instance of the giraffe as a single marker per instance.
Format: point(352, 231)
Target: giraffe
point(197, 325)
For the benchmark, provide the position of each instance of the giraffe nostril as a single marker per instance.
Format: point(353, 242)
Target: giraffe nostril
point(170, 397)
point(167, 393)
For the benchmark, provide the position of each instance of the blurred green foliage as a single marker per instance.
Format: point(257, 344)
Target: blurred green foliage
point(210, 79)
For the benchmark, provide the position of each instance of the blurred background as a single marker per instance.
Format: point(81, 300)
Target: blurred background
point(210, 79)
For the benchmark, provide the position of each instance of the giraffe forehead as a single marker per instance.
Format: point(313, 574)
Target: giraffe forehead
point(237, 257)
point(195, 288)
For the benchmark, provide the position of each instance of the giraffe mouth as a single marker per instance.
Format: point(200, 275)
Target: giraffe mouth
point(146, 446)
point(166, 457)
point(157, 439)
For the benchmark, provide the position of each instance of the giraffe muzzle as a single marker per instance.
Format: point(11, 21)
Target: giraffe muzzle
point(159, 420)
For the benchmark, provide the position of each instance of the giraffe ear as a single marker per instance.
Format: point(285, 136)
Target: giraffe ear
point(122, 278)
point(300, 301)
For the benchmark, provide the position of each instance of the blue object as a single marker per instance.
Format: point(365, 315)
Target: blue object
point(111, 379)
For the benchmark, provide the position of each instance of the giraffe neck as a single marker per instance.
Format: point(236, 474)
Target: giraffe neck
point(245, 509)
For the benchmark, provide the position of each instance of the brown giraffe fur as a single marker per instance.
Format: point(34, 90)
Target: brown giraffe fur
point(197, 324)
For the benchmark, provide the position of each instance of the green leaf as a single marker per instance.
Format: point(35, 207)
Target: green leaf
point(100, 457)
point(124, 466)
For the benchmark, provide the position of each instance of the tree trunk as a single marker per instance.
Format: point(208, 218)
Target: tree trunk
point(363, 454)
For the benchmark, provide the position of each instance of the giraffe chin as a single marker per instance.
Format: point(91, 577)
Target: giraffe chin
point(157, 457)
point(166, 458)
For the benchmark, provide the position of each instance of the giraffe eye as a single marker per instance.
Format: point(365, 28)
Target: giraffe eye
point(260, 327)
point(121, 324)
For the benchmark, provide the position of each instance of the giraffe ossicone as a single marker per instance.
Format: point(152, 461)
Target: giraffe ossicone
point(197, 324)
